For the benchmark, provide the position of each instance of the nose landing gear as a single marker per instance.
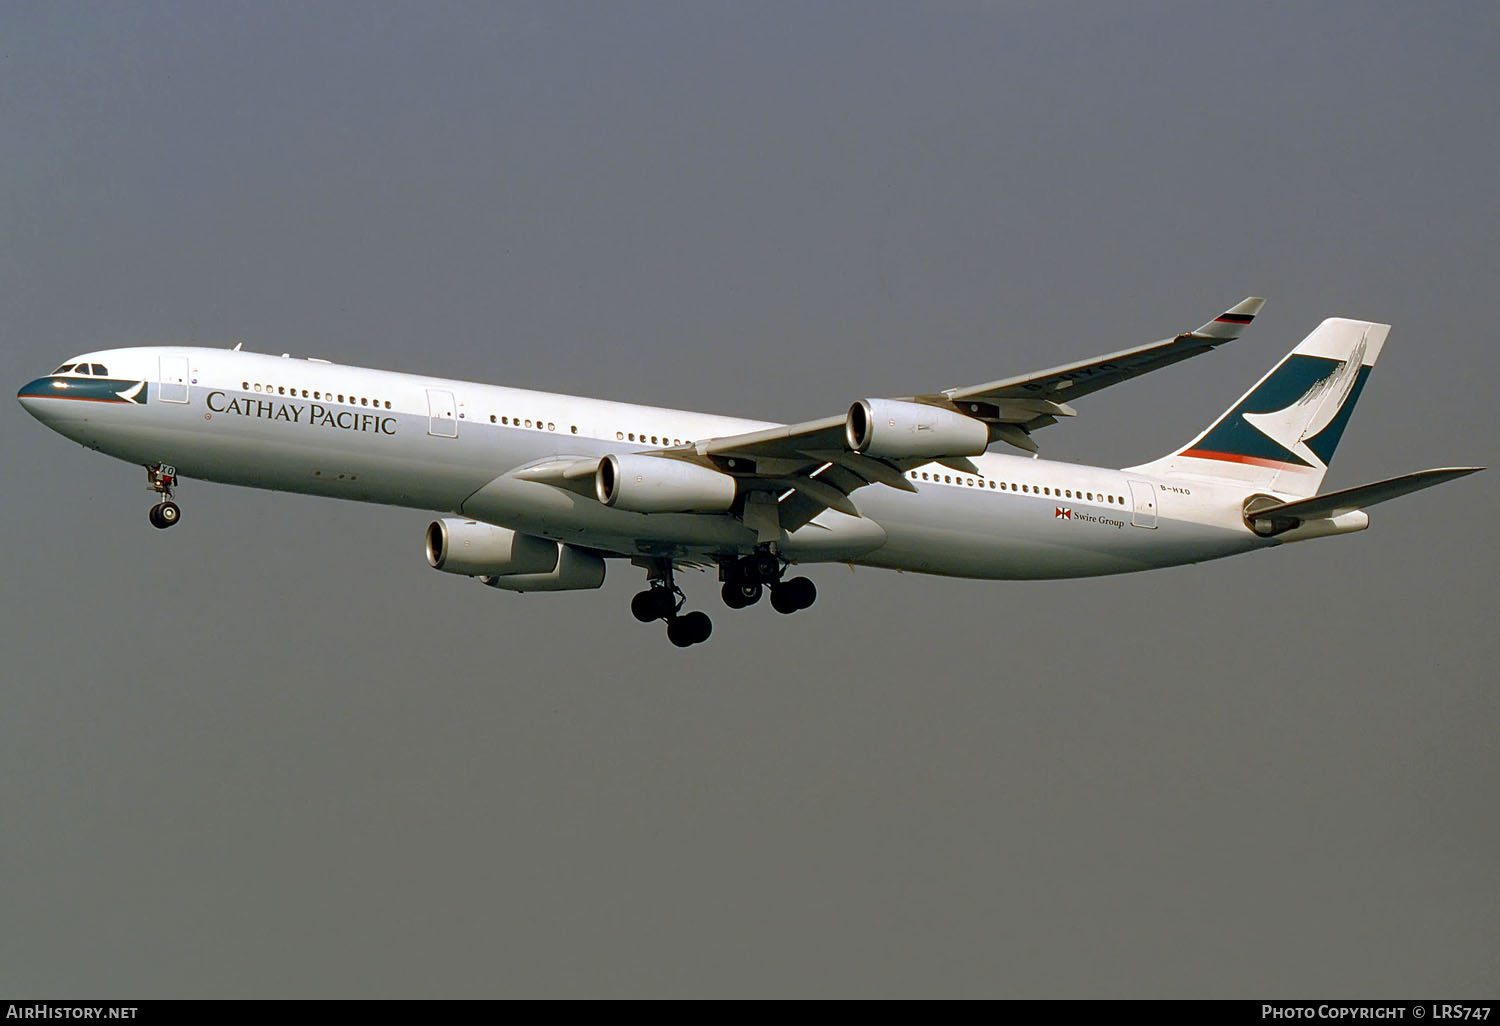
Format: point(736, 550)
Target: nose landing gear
point(161, 479)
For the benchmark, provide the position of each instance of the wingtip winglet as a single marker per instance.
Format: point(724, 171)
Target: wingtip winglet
point(1228, 325)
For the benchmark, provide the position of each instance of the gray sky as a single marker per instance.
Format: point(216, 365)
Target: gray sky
point(271, 753)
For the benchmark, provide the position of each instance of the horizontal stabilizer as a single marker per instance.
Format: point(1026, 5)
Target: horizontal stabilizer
point(1337, 503)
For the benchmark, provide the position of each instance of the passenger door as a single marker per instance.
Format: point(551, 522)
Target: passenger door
point(1143, 504)
point(442, 413)
point(174, 379)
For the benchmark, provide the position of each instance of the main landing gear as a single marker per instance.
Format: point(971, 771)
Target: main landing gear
point(663, 600)
point(745, 580)
point(162, 479)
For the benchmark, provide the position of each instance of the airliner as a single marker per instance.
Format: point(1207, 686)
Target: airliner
point(545, 489)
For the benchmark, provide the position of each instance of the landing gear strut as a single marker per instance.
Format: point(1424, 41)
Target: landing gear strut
point(746, 578)
point(162, 479)
point(663, 600)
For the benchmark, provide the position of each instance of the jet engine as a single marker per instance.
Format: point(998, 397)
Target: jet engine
point(469, 547)
point(656, 484)
point(890, 429)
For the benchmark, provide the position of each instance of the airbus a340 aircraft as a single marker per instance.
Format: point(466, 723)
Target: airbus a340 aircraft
point(547, 488)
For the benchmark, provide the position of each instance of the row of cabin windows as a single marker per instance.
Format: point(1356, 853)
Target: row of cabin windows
point(326, 397)
point(93, 370)
point(549, 426)
point(655, 439)
point(540, 425)
point(1056, 493)
point(516, 422)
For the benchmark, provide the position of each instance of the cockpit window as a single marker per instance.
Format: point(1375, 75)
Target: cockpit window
point(63, 369)
point(99, 371)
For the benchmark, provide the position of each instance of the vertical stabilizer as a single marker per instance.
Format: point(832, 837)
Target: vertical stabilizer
point(1281, 435)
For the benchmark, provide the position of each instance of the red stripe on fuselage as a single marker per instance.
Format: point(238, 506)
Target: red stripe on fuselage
point(74, 398)
point(1234, 457)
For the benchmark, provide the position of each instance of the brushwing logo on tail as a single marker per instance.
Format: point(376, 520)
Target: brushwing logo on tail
point(1311, 414)
point(1294, 419)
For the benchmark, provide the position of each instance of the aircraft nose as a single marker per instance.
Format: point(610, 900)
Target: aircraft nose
point(31, 394)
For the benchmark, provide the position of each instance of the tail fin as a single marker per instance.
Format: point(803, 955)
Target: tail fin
point(1281, 435)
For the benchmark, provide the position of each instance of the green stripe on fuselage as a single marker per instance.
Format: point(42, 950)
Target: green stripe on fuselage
point(98, 390)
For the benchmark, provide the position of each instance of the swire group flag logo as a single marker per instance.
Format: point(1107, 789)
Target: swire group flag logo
point(1062, 513)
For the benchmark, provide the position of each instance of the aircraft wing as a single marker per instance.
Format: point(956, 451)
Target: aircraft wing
point(1069, 381)
point(811, 467)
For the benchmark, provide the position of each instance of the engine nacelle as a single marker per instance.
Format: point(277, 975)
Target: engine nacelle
point(472, 548)
point(575, 571)
point(889, 429)
point(654, 484)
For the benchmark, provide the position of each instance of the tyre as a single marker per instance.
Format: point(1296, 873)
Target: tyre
point(738, 595)
point(644, 606)
point(804, 591)
point(790, 596)
point(679, 633)
point(154, 515)
point(168, 513)
point(764, 567)
point(698, 625)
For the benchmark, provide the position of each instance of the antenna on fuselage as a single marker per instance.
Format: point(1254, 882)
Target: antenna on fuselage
point(237, 346)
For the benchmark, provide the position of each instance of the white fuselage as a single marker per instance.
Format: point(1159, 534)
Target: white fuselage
point(301, 425)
